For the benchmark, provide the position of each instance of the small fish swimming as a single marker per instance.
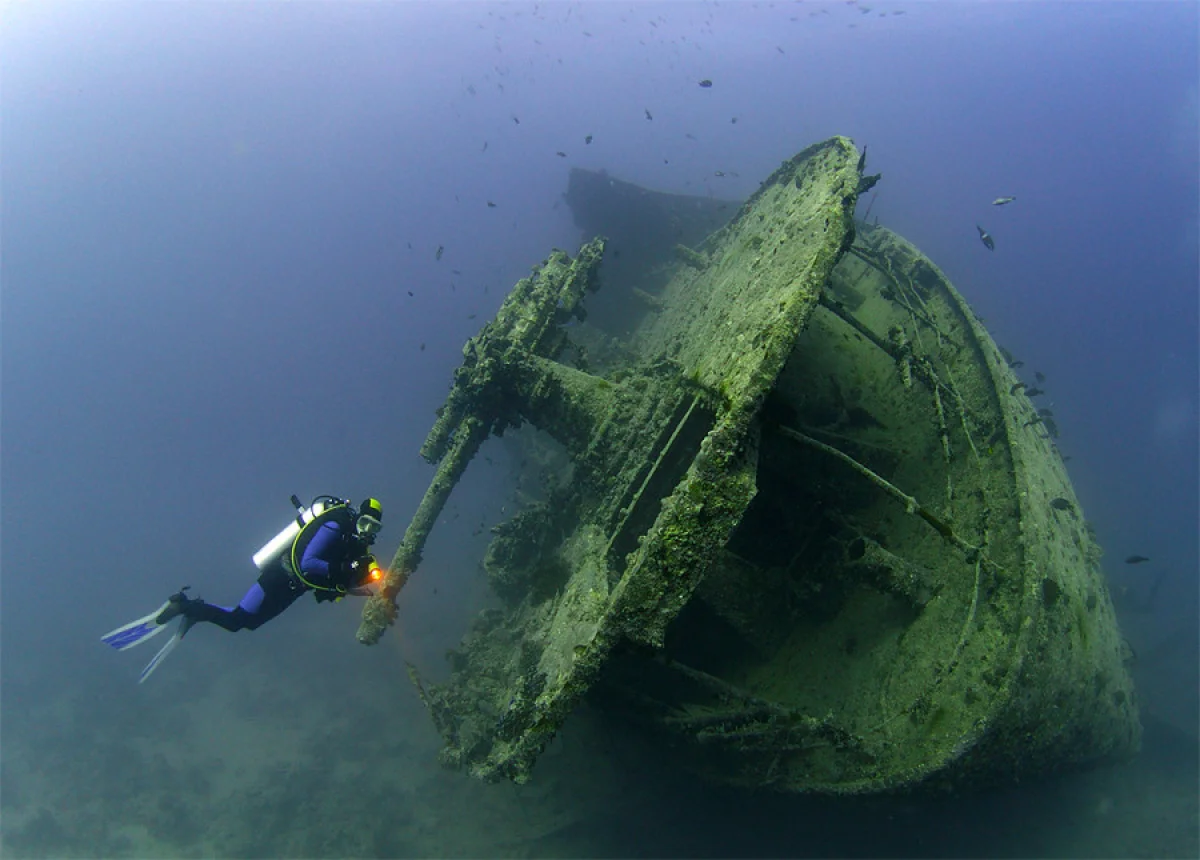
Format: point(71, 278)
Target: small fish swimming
point(587, 139)
point(561, 154)
point(1000, 201)
point(648, 115)
point(706, 83)
point(986, 238)
point(1018, 387)
point(1136, 559)
point(1061, 504)
point(441, 249)
point(1033, 392)
point(1039, 376)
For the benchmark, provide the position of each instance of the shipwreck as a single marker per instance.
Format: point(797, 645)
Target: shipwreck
point(805, 524)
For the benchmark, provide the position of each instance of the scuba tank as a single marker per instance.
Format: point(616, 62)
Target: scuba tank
point(273, 550)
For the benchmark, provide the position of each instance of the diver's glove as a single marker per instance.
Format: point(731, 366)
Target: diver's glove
point(322, 595)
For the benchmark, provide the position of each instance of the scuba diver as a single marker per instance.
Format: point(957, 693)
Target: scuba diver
point(325, 550)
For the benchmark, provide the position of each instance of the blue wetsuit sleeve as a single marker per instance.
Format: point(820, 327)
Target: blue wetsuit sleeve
point(320, 551)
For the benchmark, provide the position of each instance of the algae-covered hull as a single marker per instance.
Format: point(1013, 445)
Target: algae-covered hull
point(807, 525)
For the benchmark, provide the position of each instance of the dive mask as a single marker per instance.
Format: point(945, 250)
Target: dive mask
point(367, 526)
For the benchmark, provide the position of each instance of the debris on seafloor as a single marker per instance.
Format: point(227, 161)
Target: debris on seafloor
point(779, 511)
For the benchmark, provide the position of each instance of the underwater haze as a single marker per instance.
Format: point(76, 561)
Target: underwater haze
point(242, 245)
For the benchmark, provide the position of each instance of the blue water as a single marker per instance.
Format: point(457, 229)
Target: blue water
point(218, 236)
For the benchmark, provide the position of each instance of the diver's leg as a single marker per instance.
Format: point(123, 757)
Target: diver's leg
point(228, 619)
point(274, 592)
point(247, 615)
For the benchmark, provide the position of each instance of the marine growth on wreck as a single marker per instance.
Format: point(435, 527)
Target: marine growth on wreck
point(802, 522)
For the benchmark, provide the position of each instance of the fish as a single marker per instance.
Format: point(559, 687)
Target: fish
point(1033, 392)
point(410, 292)
point(561, 154)
point(1000, 201)
point(986, 238)
point(1061, 504)
point(1136, 559)
point(441, 249)
point(1039, 376)
point(706, 83)
point(1016, 388)
point(491, 205)
point(1046, 413)
point(422, 346)
point(648, 115)
point(587, 139)
point(485, 143)
point(718, 173)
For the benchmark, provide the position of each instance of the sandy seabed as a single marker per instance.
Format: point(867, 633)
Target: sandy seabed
point(267, 760)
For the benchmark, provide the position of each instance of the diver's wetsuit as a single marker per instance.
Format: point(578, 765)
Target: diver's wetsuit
point(277, 589)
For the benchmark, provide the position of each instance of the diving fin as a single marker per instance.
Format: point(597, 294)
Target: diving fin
point(185, 624)
point(136, 632)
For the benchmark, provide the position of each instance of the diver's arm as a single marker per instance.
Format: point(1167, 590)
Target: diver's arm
point(315, 561)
